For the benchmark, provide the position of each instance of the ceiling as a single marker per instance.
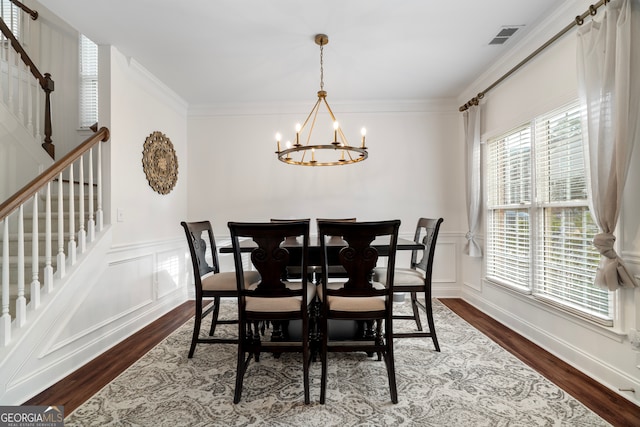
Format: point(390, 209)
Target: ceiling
point(235, 52)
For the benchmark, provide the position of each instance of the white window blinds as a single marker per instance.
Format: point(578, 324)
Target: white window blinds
point(509, 202)
point(88, 82)
point(540, 231)
point(12, 17)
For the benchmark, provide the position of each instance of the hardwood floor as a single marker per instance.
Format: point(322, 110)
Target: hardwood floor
point(73, 390)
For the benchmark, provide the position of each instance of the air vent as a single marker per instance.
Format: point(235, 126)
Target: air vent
point(504, 34)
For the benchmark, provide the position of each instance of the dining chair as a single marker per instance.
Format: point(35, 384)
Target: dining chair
point(209, 282)
point(334, 269)
point(272, 298)
point(293, 270)
point(416, 279)
point(358, 298)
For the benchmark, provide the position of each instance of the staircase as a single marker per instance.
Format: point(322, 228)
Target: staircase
point(45, 226)
point(26, 274)
point(55, 216)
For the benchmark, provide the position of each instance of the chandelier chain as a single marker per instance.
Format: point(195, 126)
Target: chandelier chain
point(321, 68)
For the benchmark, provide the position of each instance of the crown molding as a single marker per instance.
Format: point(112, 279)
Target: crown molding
point(444, 105)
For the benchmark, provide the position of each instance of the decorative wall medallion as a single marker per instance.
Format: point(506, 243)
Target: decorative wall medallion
point(160, 162)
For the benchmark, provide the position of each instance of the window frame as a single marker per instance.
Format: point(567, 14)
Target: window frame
point(535, 209)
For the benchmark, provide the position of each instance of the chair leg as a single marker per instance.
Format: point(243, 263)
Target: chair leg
point(306, 359)
point(196, 327)
point(432, 327)
point(323, 360)
point(391, 373)
point(391, 366)
point(214, 318)
point(242, 363)
point(379, 336)
point(416, 313)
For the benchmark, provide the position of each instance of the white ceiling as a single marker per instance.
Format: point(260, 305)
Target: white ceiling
point(222, 52)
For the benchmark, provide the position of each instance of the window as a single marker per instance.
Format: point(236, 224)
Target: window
point(539, 229)
point(11, 16)
point(88, 82)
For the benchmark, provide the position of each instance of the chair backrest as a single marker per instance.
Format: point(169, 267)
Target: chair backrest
point(426, 233)
point(292, 239)
point(335, 239)
point(359, 257)
point(270, 258)
point(204, 256)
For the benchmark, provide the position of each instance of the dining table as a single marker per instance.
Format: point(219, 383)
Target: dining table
point(341, 329)
point(381, 244)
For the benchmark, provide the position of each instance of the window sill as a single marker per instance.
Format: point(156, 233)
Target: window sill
point(612, 332)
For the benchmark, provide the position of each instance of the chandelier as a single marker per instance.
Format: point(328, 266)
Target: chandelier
point(337, 150)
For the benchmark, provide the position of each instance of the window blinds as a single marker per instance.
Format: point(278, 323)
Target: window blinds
point(540, 231)
point(509, 201)
point(88, 82)
point(566, 259)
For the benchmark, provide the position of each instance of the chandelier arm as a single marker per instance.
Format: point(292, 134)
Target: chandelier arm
point(313, 112)
point(315, 108)
point(333, 117)
point(313, 123)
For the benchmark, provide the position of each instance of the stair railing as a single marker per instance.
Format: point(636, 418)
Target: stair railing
point(19, 91)
point(26, 9)
point(15, 238)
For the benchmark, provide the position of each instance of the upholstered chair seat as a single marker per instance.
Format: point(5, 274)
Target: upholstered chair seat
point(280, 305)
point(226, 281)
point(356, 304)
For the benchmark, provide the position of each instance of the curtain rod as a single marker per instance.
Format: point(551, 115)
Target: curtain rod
point(579, 20)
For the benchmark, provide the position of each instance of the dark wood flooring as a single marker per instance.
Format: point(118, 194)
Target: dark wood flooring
point(73, 390)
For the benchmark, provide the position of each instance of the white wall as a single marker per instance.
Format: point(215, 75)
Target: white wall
point(140, 105)
point(414, 170)
point(545, 83)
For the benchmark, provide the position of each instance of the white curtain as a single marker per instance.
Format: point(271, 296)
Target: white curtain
point(472, 155)
point(608, 58)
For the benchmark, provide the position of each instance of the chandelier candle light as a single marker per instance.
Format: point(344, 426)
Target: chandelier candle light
point(338, 151)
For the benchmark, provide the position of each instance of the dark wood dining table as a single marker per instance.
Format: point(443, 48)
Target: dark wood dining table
point(315, 257)
point(341, 329)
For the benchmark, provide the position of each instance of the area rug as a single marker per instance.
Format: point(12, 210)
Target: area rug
point(471, 382)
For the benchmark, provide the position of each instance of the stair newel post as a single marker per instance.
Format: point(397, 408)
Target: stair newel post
point(21, 302)
point(91, 223)
point(48, 86)
point(5, 319)
point(60, 262)
point(99, 212)
point(72, 218)
point(82, 235)
point(35, 253)
point(48, 268)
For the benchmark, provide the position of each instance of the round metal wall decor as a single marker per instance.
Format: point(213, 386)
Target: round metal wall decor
point(160, 162)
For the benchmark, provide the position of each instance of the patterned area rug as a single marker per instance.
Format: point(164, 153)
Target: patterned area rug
point(471, 382)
